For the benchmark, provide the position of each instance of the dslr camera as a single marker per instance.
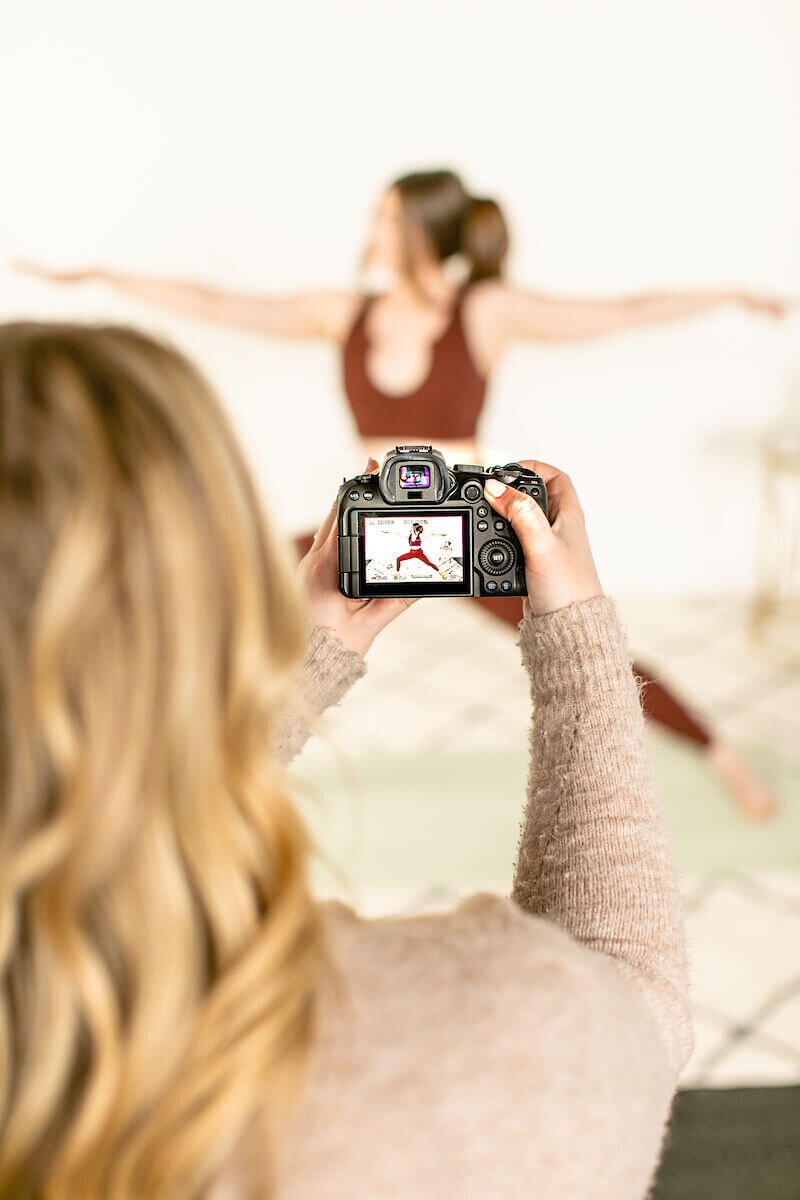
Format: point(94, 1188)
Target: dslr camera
point(419, 528)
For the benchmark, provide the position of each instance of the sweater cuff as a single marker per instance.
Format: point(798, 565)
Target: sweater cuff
point(574, 649)
point(329, 668)
point(327, 671)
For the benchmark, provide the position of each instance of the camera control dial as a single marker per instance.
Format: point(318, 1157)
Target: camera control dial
point(497, 557)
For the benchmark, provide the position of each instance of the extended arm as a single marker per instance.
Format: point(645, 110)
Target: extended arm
point(498, 314)
point(306, 315)
point(539, 316)
point(593, 854)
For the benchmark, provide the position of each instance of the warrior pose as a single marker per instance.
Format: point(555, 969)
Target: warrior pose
point(417, 357)
point(415, 549)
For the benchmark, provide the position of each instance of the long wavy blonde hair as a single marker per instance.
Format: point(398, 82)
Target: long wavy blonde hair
point(159, 948)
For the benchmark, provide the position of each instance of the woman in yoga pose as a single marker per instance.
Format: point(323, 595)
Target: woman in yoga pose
point(418, 355)
point(415, 550)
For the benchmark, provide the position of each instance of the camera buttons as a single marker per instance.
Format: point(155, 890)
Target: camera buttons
point(354, 494)
point(505, 585)
point(483, 526)
point(472, 491)
point(491, 586)
point(482, 511)
point(367, 495)
point(499, 526)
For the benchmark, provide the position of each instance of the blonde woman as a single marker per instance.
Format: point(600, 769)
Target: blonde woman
point(178, 1017)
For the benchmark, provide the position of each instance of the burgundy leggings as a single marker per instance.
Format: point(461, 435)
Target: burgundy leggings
point(416, 554)
point(657, 702)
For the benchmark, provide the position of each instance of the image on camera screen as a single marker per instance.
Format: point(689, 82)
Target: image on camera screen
point(415, 477)
point(413, 549)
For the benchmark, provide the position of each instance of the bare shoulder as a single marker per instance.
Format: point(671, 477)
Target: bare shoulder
point(502, 314)
point(336, 312)
point(485, 321)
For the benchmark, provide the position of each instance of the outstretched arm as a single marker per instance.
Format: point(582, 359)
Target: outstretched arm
point(306, 315)
point(502, 314)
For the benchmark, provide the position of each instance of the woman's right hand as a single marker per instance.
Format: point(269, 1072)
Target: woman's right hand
point(82, 276)
point(559, 567)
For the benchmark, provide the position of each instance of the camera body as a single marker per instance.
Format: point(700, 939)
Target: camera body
point(420, 528)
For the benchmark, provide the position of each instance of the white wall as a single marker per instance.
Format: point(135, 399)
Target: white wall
point(636, 144)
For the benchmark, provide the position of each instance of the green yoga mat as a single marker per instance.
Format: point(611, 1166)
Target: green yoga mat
point(452, 819)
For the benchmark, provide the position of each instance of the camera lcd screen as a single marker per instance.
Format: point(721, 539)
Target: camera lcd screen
point(415, 476)
point(414, 550)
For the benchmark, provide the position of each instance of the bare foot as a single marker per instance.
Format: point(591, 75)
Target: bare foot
point(752, 797)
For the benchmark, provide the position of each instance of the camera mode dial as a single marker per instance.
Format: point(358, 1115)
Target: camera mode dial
point(512, 472)
point(506, 476)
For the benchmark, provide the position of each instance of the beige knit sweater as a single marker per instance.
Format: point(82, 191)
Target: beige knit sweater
point(522, 1047)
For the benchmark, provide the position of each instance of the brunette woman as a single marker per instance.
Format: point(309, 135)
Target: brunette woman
point(419, 340)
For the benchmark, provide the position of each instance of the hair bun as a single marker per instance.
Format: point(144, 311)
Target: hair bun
point(484, 238)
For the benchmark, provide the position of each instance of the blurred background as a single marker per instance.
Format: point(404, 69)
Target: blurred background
point(635, 146)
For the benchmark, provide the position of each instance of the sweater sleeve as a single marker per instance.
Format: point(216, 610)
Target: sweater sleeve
point(593, 853)
point(328, 672)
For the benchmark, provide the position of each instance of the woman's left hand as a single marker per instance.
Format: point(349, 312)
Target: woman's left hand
point(355, 622)
point(769, 306)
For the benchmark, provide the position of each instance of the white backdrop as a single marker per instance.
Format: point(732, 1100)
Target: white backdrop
point(635, 144)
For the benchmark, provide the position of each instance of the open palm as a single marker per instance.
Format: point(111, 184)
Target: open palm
point(355, 622)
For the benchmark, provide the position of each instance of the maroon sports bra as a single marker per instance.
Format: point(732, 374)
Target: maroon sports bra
point(446, 405)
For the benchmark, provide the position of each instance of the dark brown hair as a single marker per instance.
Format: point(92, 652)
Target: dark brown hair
point(437, 205)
